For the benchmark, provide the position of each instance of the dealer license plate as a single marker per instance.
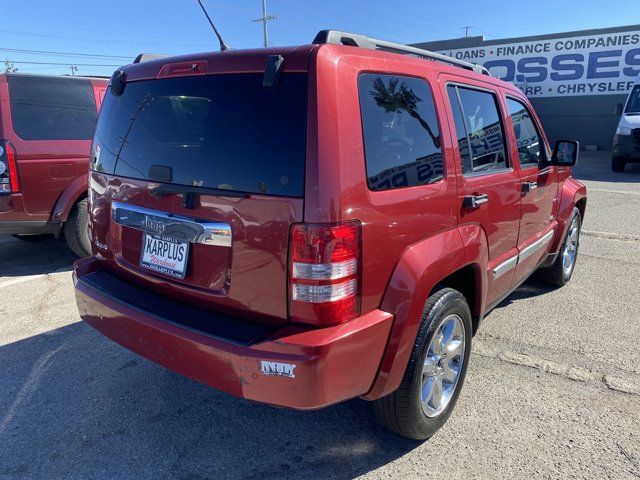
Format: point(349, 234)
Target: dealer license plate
point(164, 255)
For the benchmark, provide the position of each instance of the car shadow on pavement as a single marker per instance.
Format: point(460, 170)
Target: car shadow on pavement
point(76, 405)
point(532, 287)
point(598, 168)
point(33, 256)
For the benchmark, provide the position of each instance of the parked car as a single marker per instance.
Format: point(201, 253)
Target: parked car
point(409, 204)
point(626, 143)
point(46, 127)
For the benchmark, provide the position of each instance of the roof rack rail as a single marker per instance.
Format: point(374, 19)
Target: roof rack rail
point(145, 57)
point(362, 41)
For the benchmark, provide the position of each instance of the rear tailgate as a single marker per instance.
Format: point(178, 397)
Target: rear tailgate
point(195, 182)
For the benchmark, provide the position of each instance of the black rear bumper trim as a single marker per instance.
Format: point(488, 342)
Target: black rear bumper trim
point(201, 321)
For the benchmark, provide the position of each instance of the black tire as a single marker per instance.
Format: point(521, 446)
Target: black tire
point(556, 274)
point(618, 164)
point(76, 230)
point(402, 411)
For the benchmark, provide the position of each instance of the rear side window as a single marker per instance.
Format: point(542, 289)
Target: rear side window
point(461, 129)
point(530, 147)
point(45, 108)
point(400, 128)
point(483, 129)
point(215, 131)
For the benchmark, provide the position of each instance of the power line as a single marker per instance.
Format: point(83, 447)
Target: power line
point(103, 40)
point(67, 64)
point(38, 69)
point(64, 54)
point(227, 7)
point(407, 27)
point(395, 29)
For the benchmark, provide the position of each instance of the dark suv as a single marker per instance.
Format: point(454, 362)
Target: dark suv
point(46, 127)
point(301, 226)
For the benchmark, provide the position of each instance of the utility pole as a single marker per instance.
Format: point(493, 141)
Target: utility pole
point(8, 67)
point(265, 18)
point(466, 30)
point(74, 70)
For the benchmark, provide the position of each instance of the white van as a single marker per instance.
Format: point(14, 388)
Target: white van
point(626, 143)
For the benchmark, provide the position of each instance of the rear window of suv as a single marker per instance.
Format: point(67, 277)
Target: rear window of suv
point(400, 128)
point(46, 108)
point(215, 131)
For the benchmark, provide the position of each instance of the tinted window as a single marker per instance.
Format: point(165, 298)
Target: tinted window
point(461, 130)
point(484, 130)
point(530, 149)
point(633, 104)
point(217, 131)
point(45, 108)
point(400, 129)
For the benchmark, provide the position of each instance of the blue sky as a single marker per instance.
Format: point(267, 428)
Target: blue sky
point(119, 30)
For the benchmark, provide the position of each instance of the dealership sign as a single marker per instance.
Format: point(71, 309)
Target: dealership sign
point(602, 64)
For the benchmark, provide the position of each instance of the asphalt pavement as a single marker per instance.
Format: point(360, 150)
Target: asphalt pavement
point(552, 391)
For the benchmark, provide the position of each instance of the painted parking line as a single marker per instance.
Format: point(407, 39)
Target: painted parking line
point(605, 190)
point(611, 236)
point(625, 382)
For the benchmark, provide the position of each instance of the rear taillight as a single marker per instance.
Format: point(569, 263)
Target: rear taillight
point(324, 273)
point(9, 182)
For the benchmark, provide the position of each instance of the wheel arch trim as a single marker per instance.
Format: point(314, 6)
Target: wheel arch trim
point(572, 194)
point(421, 268)
point(68, 198)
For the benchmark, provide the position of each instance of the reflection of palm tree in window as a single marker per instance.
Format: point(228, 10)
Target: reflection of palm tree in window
point(476, 122)
point(396, 98)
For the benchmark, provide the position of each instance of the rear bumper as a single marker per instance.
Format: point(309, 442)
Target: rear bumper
point(317, 367)
point(624, 146)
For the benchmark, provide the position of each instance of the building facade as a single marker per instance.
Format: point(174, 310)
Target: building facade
point(575, 80)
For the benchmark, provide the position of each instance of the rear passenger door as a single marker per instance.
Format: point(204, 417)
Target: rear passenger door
point(539, 185)
point(488, 185)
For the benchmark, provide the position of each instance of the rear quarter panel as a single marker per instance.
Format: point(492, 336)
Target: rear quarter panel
point(409, 235)
point(419, 270)
point(337, 190)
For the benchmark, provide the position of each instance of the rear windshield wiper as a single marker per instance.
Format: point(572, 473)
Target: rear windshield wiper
point(189, 192)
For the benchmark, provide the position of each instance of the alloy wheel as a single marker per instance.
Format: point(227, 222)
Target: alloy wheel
point(442, 365)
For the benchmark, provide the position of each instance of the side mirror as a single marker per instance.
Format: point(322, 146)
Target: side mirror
point(565, 153)
point(618, 111)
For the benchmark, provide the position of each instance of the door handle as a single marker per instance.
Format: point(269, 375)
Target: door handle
point(529, 186)
point(474, 201)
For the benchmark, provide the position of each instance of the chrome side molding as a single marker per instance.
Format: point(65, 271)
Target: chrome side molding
point(171, 225)
point(535, 246)
point(505, 266)
point(526, 252)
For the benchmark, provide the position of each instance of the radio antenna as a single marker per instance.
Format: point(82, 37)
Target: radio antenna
point(223, 46)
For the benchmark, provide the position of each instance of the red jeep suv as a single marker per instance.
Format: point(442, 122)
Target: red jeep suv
point(301, 226)
point(46, 127)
